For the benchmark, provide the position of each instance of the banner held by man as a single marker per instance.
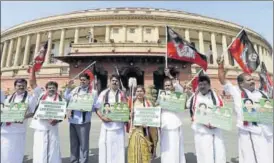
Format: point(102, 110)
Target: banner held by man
point(14, 112)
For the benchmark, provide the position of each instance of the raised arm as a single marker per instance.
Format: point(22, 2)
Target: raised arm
point(67, 93)
point(32, 78)
point(175, 82)
point(221, 71)
point(228, 87)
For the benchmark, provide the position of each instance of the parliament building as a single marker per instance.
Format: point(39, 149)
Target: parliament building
point(130, 40)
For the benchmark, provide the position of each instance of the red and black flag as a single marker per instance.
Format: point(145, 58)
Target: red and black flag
point(266, 83)
point(242, 50)
point(194, 82)
point(39, 59)
point(180, 49)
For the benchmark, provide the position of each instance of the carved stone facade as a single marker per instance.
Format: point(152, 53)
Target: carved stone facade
point(118, 32)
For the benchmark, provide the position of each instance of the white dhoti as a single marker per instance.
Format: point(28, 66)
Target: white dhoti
point(172, 149)
point(209, 147)
point(46, 146)
point(254, 148)
point(12, 147)
point(269, 140)
point(112, 146)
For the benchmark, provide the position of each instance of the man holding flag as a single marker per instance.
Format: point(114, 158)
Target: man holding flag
point(46, 143)
point(172, 146)
point(80, 120)
point(255, 139)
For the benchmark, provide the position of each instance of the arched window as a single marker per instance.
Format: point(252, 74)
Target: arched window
point(211, 59)
point(193, 44)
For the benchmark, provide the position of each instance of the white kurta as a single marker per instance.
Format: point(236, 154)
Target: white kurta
point(46, 143)
point(172, 140)
point(13, 136)
point(209, 143)
point(255, 142)
point(112, 135)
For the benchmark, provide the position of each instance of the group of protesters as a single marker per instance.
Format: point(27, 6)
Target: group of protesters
point(255, 140)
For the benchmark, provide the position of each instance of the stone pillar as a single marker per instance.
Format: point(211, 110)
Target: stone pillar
point(4, 55)
point(214, 48)
point(156, 34)
point(107, 36)
point(260, 51)
point(141, 36)
point(201, 43)
point(62, 40)
point(26, 52)
point(76, 35)
point(262, 57)
point(255, 47)
point(37, 45)
point(91, 35)
point(47, 59)
point(125, 33)
point(225, 50)
point(187, 35)
point(10, 53)
point(17, 53)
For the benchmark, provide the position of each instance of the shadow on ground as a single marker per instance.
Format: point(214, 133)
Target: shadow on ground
point(93, 157)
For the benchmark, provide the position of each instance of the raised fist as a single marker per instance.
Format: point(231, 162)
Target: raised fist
point(220, 59)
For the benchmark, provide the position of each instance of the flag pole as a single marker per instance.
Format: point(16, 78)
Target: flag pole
point(233, 40)
point(166, 49)
point(194, 77)
point(83, 70)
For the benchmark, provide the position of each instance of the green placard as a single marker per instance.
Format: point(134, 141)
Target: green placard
point(261, 111)
point(118, 112)
point(172, 101)
point(81, 102)
point(220, 117)
point(51, 110)
point(13, 112)
point(149, 116)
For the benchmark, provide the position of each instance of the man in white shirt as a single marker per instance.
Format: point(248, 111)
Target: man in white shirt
point(112, 135)
point(13, 134)
point(80, 120)
point(172, 146)
point(255, 139)
point(46, 143)
point(208, 140)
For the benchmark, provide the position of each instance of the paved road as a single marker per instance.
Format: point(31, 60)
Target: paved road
point(229, 137)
